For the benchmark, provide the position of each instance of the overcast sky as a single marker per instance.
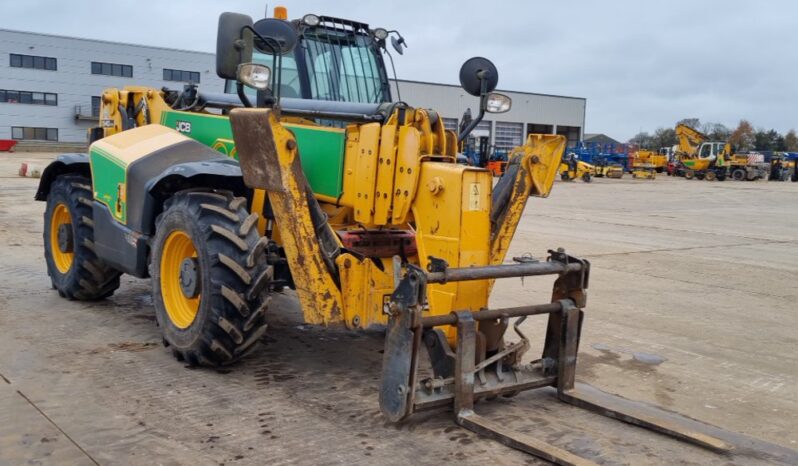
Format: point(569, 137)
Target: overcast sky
point(640, 64)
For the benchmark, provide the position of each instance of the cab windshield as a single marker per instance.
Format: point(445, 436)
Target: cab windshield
point(340, 66)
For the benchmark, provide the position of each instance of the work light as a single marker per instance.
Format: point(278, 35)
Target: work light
point(497, 103)
point(255, 75)
point(311, 20)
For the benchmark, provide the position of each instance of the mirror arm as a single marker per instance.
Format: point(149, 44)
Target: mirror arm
point(483, 102)
point(242, 95)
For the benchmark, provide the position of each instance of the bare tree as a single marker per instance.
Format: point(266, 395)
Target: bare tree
point(694, 123)
point(664, 137)
point(716, 131)
point(743, 137)
point(642, 140)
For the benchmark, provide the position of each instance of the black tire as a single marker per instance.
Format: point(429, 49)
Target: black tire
point(738, 174)
point(233, 277)
point(711, 176)
point(87, 278)
point(564, 176)
point(689, 174)
point(587, 178)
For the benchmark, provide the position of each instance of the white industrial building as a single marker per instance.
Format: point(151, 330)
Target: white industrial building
point(50, 87)
point(530, 113)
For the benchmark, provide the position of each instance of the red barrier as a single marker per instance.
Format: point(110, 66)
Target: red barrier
point(7, 145)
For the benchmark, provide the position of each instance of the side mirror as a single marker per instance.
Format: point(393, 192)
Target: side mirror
point(478, 76)
point(278, 36)
point(398, 44)
point(231, 48)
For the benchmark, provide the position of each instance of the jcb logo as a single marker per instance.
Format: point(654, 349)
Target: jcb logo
point(183, 126)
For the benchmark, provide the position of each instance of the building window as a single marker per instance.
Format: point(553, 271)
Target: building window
point(29, 133)
point(180, 75)
point(35, 62)
point(27, 97)
point(95, 106)
point(112, 69)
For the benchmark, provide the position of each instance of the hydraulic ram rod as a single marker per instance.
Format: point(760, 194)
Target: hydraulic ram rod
point(501, 271)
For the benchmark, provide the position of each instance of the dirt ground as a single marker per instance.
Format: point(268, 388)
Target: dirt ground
point(692, 307)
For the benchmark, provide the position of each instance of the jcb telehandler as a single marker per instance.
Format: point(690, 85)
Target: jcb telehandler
point(359, 206)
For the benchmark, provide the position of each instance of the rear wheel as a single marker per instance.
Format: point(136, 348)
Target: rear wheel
point(564, 176)
point(209, 277)
point(689, 174)
point(74, 269)
point(587, 178)
point(738, 174)
point(710, 176)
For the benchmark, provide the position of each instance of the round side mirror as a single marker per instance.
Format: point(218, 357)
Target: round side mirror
point(281, 37)
point(473, 71)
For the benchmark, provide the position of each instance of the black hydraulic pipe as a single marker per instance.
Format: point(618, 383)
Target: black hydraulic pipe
point(502, 271)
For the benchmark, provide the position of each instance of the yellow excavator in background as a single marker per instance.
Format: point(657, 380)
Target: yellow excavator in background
point(702, 159)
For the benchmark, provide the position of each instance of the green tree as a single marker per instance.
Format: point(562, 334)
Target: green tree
point(769, 140)
point(791, 141)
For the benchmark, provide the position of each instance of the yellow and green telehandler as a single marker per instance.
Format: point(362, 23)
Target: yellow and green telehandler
point(307, 175)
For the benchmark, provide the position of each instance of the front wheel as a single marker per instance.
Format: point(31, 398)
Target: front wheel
point(74, 269)
point(689, 174)
point(209, 277)
point(710, 176)
point(587, 178)
point(738, 174)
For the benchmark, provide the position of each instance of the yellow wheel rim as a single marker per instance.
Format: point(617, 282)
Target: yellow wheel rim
point(182, 310)
point(60, 216)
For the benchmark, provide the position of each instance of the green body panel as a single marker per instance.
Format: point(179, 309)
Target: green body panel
point(109, 179)
point(321, 149)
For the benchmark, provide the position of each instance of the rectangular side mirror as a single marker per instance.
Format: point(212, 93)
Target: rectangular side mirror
point(232, 47)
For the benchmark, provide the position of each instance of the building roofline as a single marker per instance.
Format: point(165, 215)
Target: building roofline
point(86, 39)
point(500, 90)
point(131, 44)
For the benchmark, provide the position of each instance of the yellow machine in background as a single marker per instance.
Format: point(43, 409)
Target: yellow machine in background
point(644, 171)
point(607, 170)
point(572, 168)
point(647, 158)
point(702, 159)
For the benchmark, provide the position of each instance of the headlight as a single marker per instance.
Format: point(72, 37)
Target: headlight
point(255, 75)
point(311, 20)
point(497, 103)
point(380, 34)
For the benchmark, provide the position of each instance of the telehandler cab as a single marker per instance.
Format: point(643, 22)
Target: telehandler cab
point(358, 205)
